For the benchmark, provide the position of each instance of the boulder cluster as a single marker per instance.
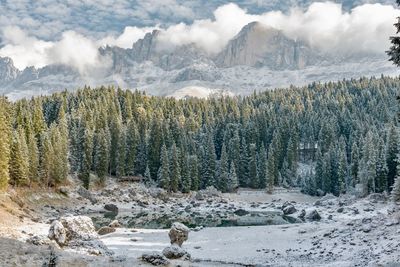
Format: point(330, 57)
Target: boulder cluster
point(77, 232)
point(178, 234)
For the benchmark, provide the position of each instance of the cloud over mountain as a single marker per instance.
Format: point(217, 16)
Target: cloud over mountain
point(326, 26)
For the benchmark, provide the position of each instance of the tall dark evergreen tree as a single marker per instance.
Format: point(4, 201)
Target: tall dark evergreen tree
point(5, 133)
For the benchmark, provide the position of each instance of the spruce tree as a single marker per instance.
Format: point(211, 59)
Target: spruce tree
point(210, 162)
point(395, 194)
point(84, 174)
point(147, 176)
point(233, 182)
point(354, 164)
point(392, 152)
point(132, 137)
point(33, 158)
point(262, 168)
point(121, 153)
point(174, 169)
point(155, 142)
point(5, 132)
point(223, 171)
point(185, 173)
point(19, 159)
point(102, 154)
point(163, 176)
point(394, 51)
point(254, 180)
point(194, 172)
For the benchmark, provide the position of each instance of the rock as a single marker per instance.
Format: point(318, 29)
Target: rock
point(290, 209)
point(377, 197)
point(179, 233)
point(366, 228)
point(175, 252)
point(63, 190)
point(86, 194)
point(241, 212)
point(314, 216)
point(155, 258)
point(58, 233)
point(111, 207)
point(92, 247)
point(106, 230)
point(39, 240)
point(302, 214)
point(114, 224)
point(285, 204)
point(340, 210)
point(79, 227)
point(207, 193)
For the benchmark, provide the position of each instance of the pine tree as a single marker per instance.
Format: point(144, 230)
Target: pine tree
point(155, 142)
point(381, 169)
point(141, 157)
point(233, 182)
point(194, 172)
point(116, 133)
point(102, 154)
point(121, 153)
point(33, 153)
point(174, 169)
point(253, 167)
point(392, 152)
point(395, 194)
point(354, 164)
point(63, 142)
point(59, 167)
point(320, 170)
point(147, 176)
point(46, 162)
point(131, 147)
point(84, 174)
point(367, 166)
point(262, 168)
point(19, 160)
point(223, 171)
point(271, 171)
point(210, 159)
point(163, 176)
point(243, 167)
point(5, 131)
point(394, 51)
point(342, 171)
point(186, 180)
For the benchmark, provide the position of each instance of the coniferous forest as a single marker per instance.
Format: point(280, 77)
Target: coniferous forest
point(345, 132)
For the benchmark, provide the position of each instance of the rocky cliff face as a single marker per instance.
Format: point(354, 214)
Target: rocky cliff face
point(257, 58)
point(8, 72)
point(257, 45)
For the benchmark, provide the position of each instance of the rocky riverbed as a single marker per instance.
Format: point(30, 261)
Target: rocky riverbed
point(249, 228)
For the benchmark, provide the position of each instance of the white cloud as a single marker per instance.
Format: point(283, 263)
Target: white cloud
point(127, 38)
point(73, 49)
point(325, 25)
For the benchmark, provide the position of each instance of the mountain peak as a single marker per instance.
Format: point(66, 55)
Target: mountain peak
point(8, 72)
point(261, 45)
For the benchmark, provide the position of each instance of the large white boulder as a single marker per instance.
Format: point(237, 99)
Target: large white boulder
point(179, 233)
point(58, 233)
point(79, 227)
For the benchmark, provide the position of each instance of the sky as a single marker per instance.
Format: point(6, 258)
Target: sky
point(38, 33)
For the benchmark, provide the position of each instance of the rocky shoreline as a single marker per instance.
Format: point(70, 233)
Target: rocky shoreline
point(253, 228)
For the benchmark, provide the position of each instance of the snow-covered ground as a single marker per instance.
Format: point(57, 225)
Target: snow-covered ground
point(351, 232)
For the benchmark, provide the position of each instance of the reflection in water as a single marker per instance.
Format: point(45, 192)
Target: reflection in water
point(192, 220)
